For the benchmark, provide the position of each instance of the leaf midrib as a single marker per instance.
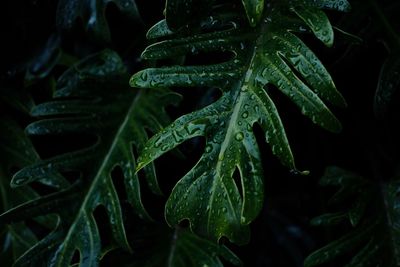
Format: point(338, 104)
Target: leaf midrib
point(239, 98)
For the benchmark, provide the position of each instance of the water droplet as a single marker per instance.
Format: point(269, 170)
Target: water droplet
point(144, 76)
point(157, 143)
point(256, 108)
point(245, 114)
point(208, 148)
point(239, 136)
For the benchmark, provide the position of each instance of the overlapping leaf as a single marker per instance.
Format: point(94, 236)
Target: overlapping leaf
point(16, 151)
point(92, 98)
point(270, 54)
point(374, 214)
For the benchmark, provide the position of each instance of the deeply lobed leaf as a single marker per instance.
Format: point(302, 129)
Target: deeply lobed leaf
point(89, 91)
point(268, 55)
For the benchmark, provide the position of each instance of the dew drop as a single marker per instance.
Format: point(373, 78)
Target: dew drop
point(208, 148)
point(144, 76)
point(256, 108)
point(239, 136)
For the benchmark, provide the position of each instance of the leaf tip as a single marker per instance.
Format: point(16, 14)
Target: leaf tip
point(18, 180)
point(137, 79)
point(140, 165)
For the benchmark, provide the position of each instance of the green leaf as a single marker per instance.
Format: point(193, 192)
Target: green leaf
point(268, 55)
point(374, 239)
point(317, 21)
point(16, 151)
point(88, 91)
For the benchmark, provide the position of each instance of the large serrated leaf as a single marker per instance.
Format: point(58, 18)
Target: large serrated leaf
point(265, 55)
point(89, 91)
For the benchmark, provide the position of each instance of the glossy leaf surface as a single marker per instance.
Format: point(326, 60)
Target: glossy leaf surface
point(84, 103)
point(265, 56)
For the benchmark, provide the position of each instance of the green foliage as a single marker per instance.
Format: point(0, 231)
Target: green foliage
point(84, 103)
point(374, 213)
point(16, 151)
point(253, 52)
point(268, 55)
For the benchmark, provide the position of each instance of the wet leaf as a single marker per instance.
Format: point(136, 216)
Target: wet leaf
point(216, 204)
point(88, 92)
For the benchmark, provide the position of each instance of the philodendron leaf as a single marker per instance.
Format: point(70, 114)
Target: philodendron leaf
point(262, 57)
point(88, 92)
point(93, 15)
point(16, 151)
point(374, 239)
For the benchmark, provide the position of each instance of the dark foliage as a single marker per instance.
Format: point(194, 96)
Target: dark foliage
point(171, 148)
